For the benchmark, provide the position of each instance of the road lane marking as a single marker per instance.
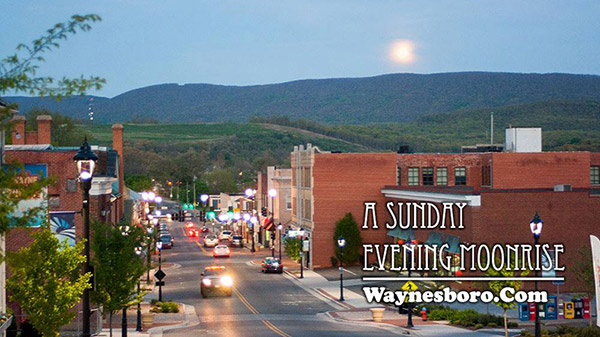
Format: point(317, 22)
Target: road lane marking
point(275, 329)
point(245, 301)
point(201, 247)
point(254, 311)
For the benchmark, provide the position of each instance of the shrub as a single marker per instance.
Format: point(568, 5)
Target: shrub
point(466, 318)
point(478, 326)
point(334, 261)
point(164, 307)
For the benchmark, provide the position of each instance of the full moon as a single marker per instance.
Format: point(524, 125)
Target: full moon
point(403, 51)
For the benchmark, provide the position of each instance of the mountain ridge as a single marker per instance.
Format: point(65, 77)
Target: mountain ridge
point(401, 97)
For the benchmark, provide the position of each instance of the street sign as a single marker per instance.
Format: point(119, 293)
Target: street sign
point(160, 283)
point(160, 275)
point(409, 286)
point(558, 282)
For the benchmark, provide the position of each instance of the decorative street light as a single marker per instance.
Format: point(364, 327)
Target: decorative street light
point(253, 221)
point(535, 226)
point(341, 244)
point(138, 324)
point(86, 161)
point(159, 246)
point(204, 198)
point(279, 228)
point(158, 199)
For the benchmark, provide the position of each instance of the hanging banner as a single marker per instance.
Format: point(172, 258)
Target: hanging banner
point(62, 225)
point(596, 263)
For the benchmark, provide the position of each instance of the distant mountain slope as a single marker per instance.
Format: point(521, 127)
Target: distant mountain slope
point(385, 98)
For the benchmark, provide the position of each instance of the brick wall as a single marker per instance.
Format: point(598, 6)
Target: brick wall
point(342, 183)
point(541, 170)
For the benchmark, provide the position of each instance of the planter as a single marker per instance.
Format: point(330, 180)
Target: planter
point(377, 314)
point(147, 319)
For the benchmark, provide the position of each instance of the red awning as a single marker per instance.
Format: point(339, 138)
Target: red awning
point(269, 225)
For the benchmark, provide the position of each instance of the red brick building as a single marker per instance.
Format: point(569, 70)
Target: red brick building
point(33, 149)
point(502, 191)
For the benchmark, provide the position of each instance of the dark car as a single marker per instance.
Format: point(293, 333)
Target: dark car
point(236, 241)
point(167, 241)
point(216, 279)
point(272, 264)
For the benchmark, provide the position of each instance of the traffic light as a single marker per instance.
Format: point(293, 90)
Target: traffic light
point(263, 211)
point(185, 206)
point(210, 215)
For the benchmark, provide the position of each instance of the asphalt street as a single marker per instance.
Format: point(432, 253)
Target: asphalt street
point(261, 305)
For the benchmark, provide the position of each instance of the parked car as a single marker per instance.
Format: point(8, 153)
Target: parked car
point(210, 240)
point(167, 241)
point(225, 235)
point(236, 240)
point(272, 264)
point(204, 229)
point(216, 279)
point(221, 251)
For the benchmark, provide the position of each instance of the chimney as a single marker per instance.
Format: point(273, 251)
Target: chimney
point(118, 146)
point(44, 125)
point(18, 132)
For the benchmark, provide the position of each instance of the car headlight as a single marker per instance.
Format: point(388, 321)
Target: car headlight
point(206, 282)
point(275, 264)
point(226, 281)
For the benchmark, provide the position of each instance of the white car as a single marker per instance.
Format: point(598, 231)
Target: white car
point(221, 251)
point(210, 240)
point(225, 235)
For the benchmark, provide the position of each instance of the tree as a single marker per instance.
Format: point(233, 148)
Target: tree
point(497, 286)
point(18, 74)
point(46, 281)
point(13, 190)
point(139, 183)
point(117, 267)
point(292, 247)
point(584, 272)
point(347, 228)
point(18, 71)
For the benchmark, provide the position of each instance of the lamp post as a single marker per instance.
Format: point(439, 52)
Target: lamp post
point(535, 226)
point(279, 228)
point(159, 246)
point(341, 244)
point(138, 324)
point(272, 194)
point(86, 160)
point(150, 231)
point(253, 221)
point(409, 322)
point(204, 199)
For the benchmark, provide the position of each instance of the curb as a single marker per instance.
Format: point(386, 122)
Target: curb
point(191, 319)
point(333, 303)
point(397, 330)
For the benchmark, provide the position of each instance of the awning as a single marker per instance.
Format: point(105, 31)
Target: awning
point(404, 234)
point(434, 239)
point(269, 225)
point(453, 243)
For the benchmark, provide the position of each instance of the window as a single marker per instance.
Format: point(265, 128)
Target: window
point(398, 176)
point(427, 175)
point(442, 176)
point(486, 176)
point(595, 175)
point(460, 176)
point(413, 176)
point(288, 202)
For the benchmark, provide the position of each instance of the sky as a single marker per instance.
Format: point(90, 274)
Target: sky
point(245, 42)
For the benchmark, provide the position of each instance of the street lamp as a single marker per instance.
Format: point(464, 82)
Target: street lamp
point(85, 159)
point(341, 244)
point(279, 228)
point(272, 193)
point(158, 199)
point(138, 324)
point(253, 221)
point(535, 226)
point(159, 246)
